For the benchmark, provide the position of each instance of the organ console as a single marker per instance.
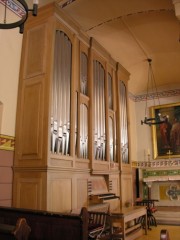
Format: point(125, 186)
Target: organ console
point(100, 196)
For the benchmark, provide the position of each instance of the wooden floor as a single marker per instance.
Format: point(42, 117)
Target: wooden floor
point(154, 234)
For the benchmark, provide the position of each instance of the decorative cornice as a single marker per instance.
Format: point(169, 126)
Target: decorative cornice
point(132, 97)
point(163, 94)
point(157, 163)
point(7, 142)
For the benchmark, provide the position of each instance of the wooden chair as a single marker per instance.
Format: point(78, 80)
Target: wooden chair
point(97, 224)
point(151, 209)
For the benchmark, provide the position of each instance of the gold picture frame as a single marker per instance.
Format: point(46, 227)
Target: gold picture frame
point(166, 136)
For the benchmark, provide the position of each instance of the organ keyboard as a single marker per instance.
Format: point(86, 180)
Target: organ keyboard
point(99, 194)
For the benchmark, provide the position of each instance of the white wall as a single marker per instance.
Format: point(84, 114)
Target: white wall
point(10, 42)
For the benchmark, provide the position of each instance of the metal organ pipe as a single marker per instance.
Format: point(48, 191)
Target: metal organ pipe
point(84, 131)
point(123, 123)
point(111, 141)
point(83, 73)
point(83, 107)
point(111, 122)
point(60, 115)
point(110, 101)
point(99, 111)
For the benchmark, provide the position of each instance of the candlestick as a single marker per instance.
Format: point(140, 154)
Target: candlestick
point(148, 154)
point(148, 151)
point(169, 153)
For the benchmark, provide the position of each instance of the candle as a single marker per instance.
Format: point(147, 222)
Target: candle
point(148, 151)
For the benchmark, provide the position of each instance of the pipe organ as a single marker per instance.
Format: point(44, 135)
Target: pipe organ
point(99, 111)
point(71, 117)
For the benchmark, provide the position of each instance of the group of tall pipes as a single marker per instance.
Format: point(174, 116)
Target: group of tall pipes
point(111, 120)
point(83, 131)
point(83, 108)
point(60, 114)
point(99, 111)
point(123, 120)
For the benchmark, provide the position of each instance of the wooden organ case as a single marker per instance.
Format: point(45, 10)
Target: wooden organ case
point(68, 115)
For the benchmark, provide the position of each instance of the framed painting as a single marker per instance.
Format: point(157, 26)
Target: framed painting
point(166, 136)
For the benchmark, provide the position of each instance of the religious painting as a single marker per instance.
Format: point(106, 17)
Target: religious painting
point(166, 136)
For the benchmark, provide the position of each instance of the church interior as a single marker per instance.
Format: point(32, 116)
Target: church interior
point(90, 118)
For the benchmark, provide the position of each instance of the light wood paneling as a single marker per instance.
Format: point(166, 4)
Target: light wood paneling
point(29, 190)
point(61, 195)
point(126, 189)
point(82, 191)
point(115, 184)
point(35, 51)
point(31, 128)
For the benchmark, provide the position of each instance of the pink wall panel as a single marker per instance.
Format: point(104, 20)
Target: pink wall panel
point(6, 158)
point(6, 177)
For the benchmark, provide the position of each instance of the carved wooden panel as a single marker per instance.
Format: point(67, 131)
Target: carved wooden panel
point(35, 51)
point(82, 193)
point(31, 127)
point(114, 184)
point(126, 189)
point(60, 193)
point(29, 191)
